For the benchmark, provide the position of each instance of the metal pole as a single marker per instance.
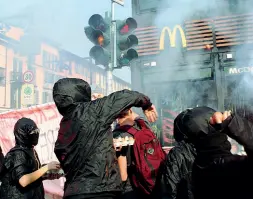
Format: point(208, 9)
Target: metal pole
point(113, 50)
point(218, 81)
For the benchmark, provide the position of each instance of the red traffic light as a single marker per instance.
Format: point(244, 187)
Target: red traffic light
point(127, 26)
point(125, 29)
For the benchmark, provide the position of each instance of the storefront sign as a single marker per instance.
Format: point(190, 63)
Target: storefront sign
point(234, 70)
point(172, 36)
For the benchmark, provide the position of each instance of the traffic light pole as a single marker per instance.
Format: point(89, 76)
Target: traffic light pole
point(113, 42)
point(113, 63)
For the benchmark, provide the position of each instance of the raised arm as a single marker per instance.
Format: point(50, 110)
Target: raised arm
point(118, 101)
point(236, 127)
point(241, 130)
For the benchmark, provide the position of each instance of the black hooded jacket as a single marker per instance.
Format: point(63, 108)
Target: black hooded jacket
point(179, 161)
point(19, 161)
point(216, 172)
point(85, 142)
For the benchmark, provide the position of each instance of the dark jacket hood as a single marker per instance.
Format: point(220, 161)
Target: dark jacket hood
point(68, 92)
point(22, 132)
point(192, 123)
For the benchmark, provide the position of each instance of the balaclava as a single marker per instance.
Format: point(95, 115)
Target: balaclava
point(26, 133)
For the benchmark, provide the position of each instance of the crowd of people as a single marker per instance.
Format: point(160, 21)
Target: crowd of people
point(128, 162)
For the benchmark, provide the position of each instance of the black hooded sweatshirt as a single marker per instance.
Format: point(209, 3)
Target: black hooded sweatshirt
point(85, 142)
point(179, 161)
point(19, 161)
point(216, 172)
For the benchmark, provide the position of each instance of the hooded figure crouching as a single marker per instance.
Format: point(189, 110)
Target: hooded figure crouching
point(217, 173)
point(179, 162)
point(21, 175)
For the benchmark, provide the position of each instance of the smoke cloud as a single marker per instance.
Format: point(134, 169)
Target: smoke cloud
point(184, 94)
point(182, 63)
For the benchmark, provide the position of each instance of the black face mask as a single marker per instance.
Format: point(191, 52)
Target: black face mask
point(34, 137)
point(26, 133)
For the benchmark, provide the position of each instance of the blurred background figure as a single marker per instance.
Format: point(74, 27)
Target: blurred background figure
point(95, 96)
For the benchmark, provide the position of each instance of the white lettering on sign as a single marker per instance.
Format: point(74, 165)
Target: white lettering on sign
point(248, 69)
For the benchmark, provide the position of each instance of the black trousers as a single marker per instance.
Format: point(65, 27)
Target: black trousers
point(104, 195)
point(82, 197)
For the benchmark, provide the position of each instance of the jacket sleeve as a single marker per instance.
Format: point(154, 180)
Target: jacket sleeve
point(17, 163)
point(172, 174)
point(241, 130)
point(118, 101)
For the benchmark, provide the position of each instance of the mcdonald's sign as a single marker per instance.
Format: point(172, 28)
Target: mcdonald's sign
point(172, 36)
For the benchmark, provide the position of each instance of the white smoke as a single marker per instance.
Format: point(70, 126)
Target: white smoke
point(181, 95)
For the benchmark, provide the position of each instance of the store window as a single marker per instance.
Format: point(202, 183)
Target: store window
point(47, 96)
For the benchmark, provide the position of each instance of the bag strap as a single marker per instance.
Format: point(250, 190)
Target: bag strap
point(128, 129)
point(142, 123)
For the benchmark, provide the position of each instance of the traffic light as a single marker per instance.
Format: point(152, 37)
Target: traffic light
point(125, 42)
point(98, 32)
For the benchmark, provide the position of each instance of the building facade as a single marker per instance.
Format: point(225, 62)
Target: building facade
point(30, 66)
point(204, 59)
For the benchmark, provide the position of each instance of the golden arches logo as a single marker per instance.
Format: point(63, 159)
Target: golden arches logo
point(172, 36)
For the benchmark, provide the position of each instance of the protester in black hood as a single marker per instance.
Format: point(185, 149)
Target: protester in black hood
point(22, 173)
point(85, 141)
point(180, 159)
point(216, 172)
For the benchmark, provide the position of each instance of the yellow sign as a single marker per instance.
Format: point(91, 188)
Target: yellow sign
point(172, 36)
point(27, 95)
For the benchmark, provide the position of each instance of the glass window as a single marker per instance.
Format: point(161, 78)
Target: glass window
point(2, 76)
point(49, 77)
point(148, 4)
point(47, 97)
